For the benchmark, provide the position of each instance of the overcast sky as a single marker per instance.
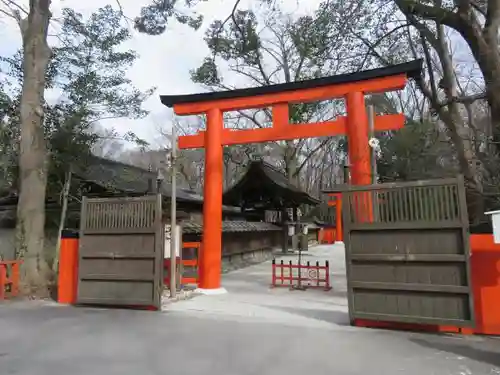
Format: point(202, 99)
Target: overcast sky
point(164, 61)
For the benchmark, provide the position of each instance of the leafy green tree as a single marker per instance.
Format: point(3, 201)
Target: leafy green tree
point(418, 151)
point(154, 17)
point(88, 68)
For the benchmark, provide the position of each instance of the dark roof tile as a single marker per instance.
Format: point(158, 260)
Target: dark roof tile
point(114, 175)
point(412, 69)
point(262, 180)
point(231, 227)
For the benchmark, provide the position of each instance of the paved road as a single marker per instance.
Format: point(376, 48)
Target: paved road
point(250, 330)
point(53, 340)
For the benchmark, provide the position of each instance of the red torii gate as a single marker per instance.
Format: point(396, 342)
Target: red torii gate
point(352, 87)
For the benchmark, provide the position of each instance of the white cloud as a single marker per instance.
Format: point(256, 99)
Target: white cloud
point(165, 60)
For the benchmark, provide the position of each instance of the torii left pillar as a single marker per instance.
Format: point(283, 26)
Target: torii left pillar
point(209, 269)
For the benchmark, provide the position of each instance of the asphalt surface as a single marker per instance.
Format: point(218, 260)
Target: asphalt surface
point(250, 330)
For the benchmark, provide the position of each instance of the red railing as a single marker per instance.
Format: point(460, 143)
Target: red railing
point(192, 263)
point(303, 275)
point(9, 278)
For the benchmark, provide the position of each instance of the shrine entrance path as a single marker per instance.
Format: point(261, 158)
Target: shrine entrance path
point(251, 299)
point(251, 330)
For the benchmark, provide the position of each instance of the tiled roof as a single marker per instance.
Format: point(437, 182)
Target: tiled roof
point(264, 183)
point(232, 226)
point(114, 175)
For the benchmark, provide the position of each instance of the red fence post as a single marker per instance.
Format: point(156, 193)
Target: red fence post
point(313, 275)
point(67, 284)
point(327, 277)
point(185, 262)
point(317, 268)
point(273, 273)
point(3, 279)
point(14, 278)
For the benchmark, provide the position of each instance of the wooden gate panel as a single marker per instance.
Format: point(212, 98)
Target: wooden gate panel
point(407, 252)
point(121, 251)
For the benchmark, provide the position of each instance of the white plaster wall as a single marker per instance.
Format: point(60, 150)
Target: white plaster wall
point(167, 241)
point(7, 241)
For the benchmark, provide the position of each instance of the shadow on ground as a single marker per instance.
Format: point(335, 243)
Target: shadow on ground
point(334, 317)
point(487, 351)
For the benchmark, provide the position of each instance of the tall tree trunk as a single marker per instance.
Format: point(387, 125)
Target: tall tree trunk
point(449, 111)
point(33, 150)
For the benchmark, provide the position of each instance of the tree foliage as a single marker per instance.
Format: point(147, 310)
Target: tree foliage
point(154, 17)
point(88, 69)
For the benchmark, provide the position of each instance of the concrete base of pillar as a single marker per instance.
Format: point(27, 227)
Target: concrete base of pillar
point(339, 243)
point(211, 292)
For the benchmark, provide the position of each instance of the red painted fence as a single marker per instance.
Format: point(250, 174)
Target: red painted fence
point(308, 275)
point(192, 262)
point(9, 278)
point(327, 236)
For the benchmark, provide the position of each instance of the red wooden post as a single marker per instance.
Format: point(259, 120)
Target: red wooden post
point(273, 276)
point(318, 269)
point(327, 277)
point(357, 133)
point(211, 254)
point(337, 202)
point(3, 279)
point(68, 268)
point(339, 234)
point(14, 277)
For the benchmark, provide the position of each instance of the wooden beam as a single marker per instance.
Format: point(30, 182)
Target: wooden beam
point(283, 132)
point(370, 86)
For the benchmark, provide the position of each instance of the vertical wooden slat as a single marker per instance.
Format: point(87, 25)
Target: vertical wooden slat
point(410, 202)
point(437, 205)
point(392, 205)
point(381, 208)
point(441, 198)
point(456, 205)
point(399, 205)
point(420, 205)
point(432, 203)
point(406, 214)
point(446, 202)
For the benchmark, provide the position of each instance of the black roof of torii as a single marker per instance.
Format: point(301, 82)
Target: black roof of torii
point(265, 187)
point(412, 69)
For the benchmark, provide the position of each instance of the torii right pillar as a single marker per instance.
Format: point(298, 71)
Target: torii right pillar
point(357, 129)
point(359, 156)
point(358, 137)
